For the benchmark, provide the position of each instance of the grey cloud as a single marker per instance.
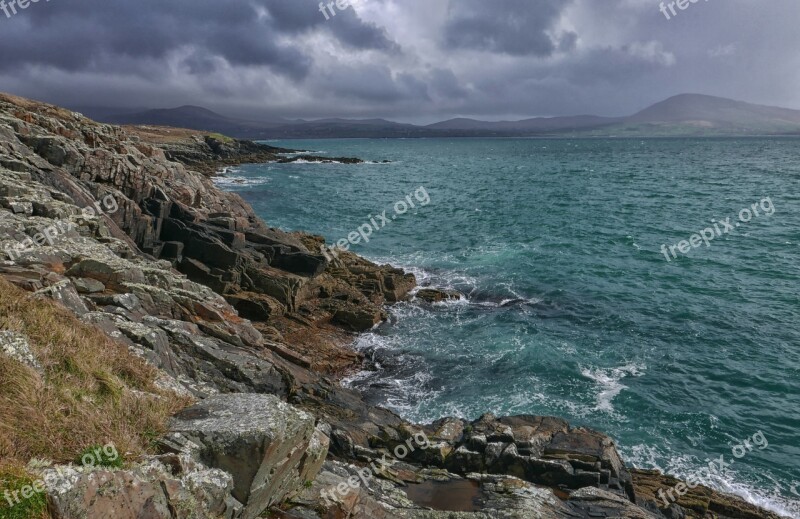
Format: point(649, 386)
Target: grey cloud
point(515, 27)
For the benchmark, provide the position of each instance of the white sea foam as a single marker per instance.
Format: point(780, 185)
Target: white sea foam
point(233, 181)
point(304, 161)
point(609, 382)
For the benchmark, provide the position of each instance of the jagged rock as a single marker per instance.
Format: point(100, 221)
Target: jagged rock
point(88, 285)
point(269, 447)
point(695, 503)
point(162, 487)
point(257, 307)
point(323, 160)
point(110, 273)
point(16, 346)
point(343, 490)
point(600, 503)
point(357, 319)
point(64, 292)
point(432, 295)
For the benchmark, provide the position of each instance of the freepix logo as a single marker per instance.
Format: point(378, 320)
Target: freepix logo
point(669, 7)
point(10, 7)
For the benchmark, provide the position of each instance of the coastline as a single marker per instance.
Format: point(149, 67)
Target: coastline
point(266, 291)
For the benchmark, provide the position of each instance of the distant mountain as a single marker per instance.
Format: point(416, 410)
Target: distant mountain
point(102, 113)
point(538, 124)
point(717, 114)
point(356, 122)
point(681, 115)
point(194, 118)
point(716, 110)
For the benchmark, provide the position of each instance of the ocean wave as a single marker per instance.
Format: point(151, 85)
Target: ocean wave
point(228, 169)
point(397, 380)
point(609, 383)
point(466, 284)
point(229, 181)
point(304, 161)
point(324, 161)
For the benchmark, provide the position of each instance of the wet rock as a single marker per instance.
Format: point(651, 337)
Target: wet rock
point(653, 493)
point(432, 295)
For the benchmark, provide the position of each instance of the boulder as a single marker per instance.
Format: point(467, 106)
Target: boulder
point(88, 285)
point(358, 319)
point(269, 447)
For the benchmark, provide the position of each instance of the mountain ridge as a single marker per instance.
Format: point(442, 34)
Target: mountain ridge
point(679, 115)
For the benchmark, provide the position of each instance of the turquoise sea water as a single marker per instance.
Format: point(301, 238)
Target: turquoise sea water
point(571, 308)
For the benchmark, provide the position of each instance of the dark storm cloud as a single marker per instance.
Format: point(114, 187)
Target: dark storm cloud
point(409, 59)
point(77, 35)
point(516, 27)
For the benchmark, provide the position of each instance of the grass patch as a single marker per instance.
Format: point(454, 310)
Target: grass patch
point(93, 390)
point(15, 485)
point(100, 456)
point(220, 137)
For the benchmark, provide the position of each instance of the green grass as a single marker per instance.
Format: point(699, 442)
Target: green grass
point(32, 507)
point(100, 456)
point(220, 137)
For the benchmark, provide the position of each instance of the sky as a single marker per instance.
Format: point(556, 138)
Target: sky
point(406, 60)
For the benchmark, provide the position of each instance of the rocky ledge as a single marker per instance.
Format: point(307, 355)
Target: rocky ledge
point(254, 324)
point(202, 151)
point(321, 160)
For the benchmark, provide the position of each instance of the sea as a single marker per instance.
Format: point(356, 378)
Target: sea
point(645, 288)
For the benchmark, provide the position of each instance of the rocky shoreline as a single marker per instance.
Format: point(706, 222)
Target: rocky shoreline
point(254, 324)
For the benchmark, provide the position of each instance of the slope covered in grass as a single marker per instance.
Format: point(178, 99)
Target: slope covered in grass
point(85, 390)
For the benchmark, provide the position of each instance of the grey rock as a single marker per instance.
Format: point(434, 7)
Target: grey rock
point(88, 285)
point(269, 447)
point(16, 346)
point(163, 487)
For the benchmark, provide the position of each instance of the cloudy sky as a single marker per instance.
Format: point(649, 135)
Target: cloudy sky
point(409, 60)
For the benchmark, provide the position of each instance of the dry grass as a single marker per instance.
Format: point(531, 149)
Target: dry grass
point(84, 397)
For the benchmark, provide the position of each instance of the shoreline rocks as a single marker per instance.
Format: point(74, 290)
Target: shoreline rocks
point(320, 159)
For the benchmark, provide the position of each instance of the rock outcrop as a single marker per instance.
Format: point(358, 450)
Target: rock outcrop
point(158, 487)
point(270, 448)
point(119, 226)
